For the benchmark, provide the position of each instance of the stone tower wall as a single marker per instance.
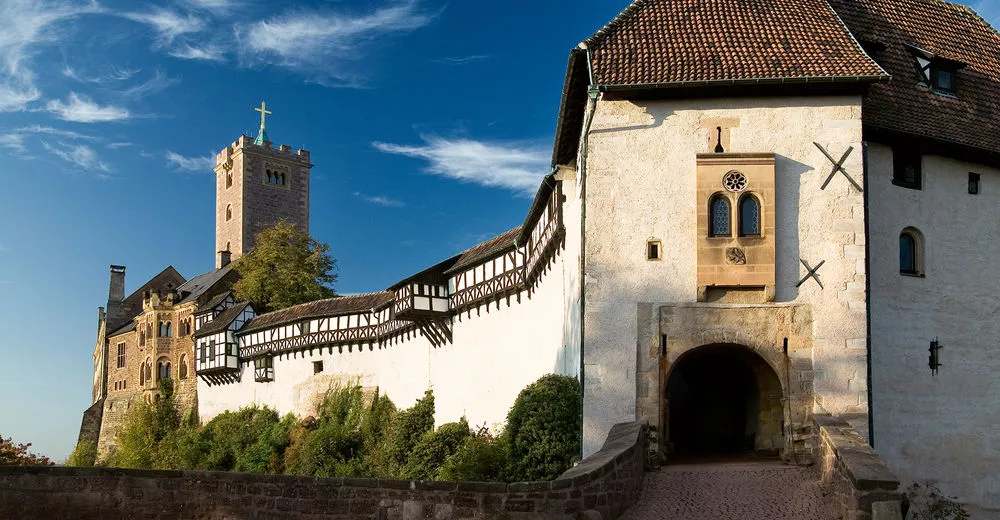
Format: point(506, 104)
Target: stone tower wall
point(254, 203)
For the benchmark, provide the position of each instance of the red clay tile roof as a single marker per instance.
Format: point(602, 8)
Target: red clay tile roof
point(485, 250)
point(951, 31)
point(327, 307)
point(672, 41)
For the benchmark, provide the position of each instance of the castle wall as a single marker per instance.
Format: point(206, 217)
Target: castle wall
point(918, 428)
point(497, 350)
point(641, 184)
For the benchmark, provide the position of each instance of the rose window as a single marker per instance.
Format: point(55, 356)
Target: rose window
point(735, 182)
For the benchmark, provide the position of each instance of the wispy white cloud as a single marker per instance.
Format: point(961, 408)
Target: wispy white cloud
point(190, 164)
point(311, 41)
point(157, 83)
point(79, 155)
point(515, 166)
point(462, 60)
point(112, 74)
point(115, 146)
point(169, 24)
point(213, 5)
point(13, 142)
point(81, 109)
point(380, 200)
point(208, 52)
point(48, 130)
point(28, 24)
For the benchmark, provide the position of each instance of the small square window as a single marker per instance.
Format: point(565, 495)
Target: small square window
point(974, 183)
point(943, 79)
point(906, 168)
point(654, 250)
point(317, 367)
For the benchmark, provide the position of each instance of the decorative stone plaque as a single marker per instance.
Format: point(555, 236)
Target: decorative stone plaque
point(736, 256)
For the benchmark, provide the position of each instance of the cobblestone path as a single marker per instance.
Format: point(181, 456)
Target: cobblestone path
point(731, 491)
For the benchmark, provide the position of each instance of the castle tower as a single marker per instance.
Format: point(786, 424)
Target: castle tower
point(256, 186)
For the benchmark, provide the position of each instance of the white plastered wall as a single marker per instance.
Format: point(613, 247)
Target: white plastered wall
point(942, 427)
point(640, 177)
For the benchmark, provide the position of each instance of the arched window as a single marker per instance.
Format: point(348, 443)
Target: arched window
point(719, 217)
point(142, 374)
point(169, 334)
point(282, 179)
point(270, 177)
point(229, 179)
point(749, 216)
point(184, 367)
point(227, 246)
point(149, 330)
point(148, 370)
point(911, 254)
point(162, 369)
point(142, 337)
point(229, 212)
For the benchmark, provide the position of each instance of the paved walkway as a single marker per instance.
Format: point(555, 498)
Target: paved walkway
point(731, 491)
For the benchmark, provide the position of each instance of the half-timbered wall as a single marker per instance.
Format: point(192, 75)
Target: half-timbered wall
point(477, 341)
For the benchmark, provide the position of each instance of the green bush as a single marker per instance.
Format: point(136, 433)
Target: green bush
point(335, 444)
point(375, 431)
point(136, 440)
point(84, 454)
point(543, 429)
point(480, 458)
point(433, 449)
point(244, 440)
point(183, 448)
point(409, 427)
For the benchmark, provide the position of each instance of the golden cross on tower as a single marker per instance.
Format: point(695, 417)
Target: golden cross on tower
point(262, 136)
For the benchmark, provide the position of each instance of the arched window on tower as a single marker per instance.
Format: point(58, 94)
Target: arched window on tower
point(162, 369)
point(719, 217)
point(184, 367)
point(229, 179)
point(142, 336)
point(911, 252)
point(169, 333)
point(270, 177)
point(282, 179)
point(229, 212)
point(749, 216)
point(142, 374)
point(161, 330)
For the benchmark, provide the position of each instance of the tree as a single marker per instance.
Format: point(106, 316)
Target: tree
point(12, 454)
point(286, 267)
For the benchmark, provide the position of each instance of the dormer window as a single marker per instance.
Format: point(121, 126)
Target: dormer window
point(937, 72)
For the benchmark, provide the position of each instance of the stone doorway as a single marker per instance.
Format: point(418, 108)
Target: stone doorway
point(723, 400)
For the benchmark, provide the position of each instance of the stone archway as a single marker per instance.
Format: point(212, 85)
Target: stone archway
point(722, 400)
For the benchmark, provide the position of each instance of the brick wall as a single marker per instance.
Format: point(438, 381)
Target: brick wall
point(863, 486)
point(602, 486)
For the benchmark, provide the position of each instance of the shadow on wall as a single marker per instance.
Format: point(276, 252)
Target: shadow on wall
point(657, 117)
point(788, 181)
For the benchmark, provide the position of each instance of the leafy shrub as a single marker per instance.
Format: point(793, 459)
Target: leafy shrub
point(375, 431)
point(244, 440)
point(543, 429)
point(84, 454)
point(480, 458)
point(433, 449)
point(335, 444)
point(410, 426)
point(183, 448)
point(12, 454)
point(136, 439)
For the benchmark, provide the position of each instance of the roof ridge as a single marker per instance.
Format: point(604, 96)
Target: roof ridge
point(855, 39)
point(603, 32)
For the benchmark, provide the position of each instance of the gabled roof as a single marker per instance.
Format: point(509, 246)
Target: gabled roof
point(482, 251)
point(214, 302)
point(683, 41)
point(328, 307)
point(946, 30)
point(128, 327)
point(201, 284)
point(222, 321)
point(168, 278)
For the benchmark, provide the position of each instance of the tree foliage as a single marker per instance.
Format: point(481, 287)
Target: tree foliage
point(13, 454)
point(84, 454)
point(543, 429)
point(433, 450)
point(286, 267)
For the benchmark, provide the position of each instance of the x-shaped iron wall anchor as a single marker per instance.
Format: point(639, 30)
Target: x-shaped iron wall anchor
point(812, 273)
point(838, 166)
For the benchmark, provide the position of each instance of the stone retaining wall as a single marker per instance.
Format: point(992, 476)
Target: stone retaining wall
point(601, 486)
point(863, 486)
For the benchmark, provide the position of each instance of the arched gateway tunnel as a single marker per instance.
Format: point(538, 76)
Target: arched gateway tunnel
point(722, 400)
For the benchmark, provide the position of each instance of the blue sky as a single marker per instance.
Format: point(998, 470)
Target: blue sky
point(430, 124)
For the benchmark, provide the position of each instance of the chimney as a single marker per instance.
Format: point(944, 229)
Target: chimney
point(116, 292)
point(225, 257)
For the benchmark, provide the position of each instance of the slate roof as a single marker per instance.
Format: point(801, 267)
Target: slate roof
point(128, 327)
point(675, 41)
point(213, 303)
point(951, 31)
point(491, 247)
point(222, 321)
point(199, 285)
point(327, 307)
point(132, 305)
